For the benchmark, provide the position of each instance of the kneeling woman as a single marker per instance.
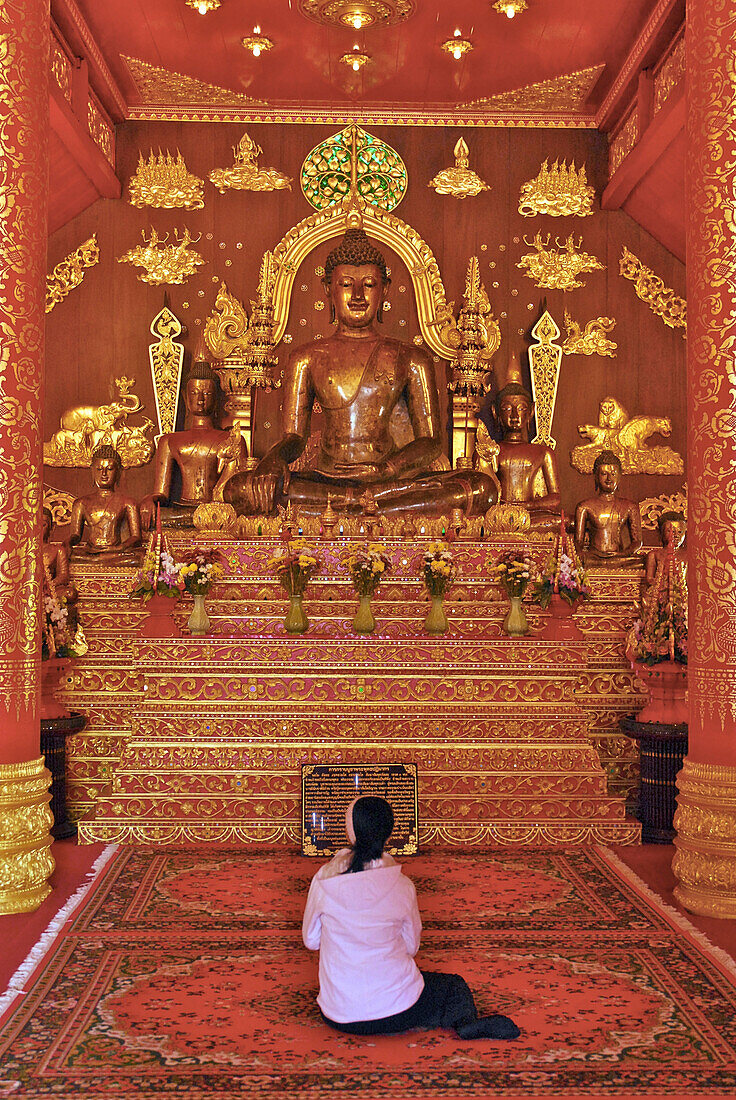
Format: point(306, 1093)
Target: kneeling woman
point(362, 914)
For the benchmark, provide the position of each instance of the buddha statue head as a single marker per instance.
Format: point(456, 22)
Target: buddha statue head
point(106, 466)
point(200, 390)
point(356, 281)
point(672, 529)
point(513, 406)
point(607, 472)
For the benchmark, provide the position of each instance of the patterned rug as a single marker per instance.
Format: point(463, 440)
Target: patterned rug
point(182, 974)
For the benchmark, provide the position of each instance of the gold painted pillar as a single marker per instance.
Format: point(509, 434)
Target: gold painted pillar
point(25, 818)
point(705, 861)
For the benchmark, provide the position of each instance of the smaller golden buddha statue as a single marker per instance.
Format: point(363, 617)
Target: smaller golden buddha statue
point(99, 519)
point(56, 561)
point(527, 472)
point(192, 465)
point(672, 530)
point(607, 526)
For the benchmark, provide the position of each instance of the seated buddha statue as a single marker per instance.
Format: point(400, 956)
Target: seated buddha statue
point(359, 377)
point(607, 526)
point(192, 464)
point(527, 472)
point(56, 561)
point(99, 520)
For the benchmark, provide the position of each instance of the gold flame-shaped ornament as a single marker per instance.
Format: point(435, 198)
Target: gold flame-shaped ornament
point(226, 329)
point(560, 191)
point(557, 268)
point(245, 175)
point(478, 336)
point(162, 262)
point(460, 182)
point(545, 360)
point(165, 181)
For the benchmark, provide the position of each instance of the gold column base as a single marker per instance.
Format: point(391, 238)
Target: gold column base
point(25, 842)
point(705, 860)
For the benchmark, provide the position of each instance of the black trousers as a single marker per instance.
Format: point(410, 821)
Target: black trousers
point(445, 1001)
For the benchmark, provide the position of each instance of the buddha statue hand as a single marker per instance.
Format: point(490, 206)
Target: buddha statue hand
point(147, 509)
point(268, 484)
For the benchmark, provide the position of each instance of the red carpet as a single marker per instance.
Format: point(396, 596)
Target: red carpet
point(183, 974)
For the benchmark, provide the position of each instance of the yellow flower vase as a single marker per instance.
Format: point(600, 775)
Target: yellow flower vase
point(199, 620)
point(363, 621)
point(296, 621)
point(515, 624)
point(436, 620)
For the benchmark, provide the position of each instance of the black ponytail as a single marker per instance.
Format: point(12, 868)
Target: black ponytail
point(373, 823)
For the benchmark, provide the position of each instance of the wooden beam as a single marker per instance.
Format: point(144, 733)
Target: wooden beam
point(659, 135)
point(90, 158)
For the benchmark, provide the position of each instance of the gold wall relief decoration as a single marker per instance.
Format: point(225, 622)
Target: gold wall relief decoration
point(69, 273)
point(165, 181)
point(460, 182)
point(478, 338)
point(101, 130)
point(380, 173)
point(557, 268)
point(560, 191)
point(162, 86)
point(245, 175)
point(167, 359)
point(164, 263)
point(561, 94)
point(226, 328)
point(651, 508)
point(61, 68)
point(357, 15)
point(705, 856)
point(651, 289)
point(25, 841)
point(624, 141)
point(589, 341)
point(59, 504)
point(626, 437)
point(670, 74)
point(545, 360)
point(84, 428)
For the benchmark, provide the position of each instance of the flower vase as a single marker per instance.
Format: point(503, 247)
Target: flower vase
point(363, 621)
point(436, 620)
point(666, 684)
point(199, 622)
point(51, 672)
point(561, 625)
point(160, 621)
point(515, 624)
point(296, 621)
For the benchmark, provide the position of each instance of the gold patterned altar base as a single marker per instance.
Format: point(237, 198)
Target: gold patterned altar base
point(203, 739)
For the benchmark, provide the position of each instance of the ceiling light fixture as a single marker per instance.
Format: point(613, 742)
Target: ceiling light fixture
point(257, 43)
point(203, 6)
point(510, 8)
point(457, 45)
point(358, 15)
point(356, 60)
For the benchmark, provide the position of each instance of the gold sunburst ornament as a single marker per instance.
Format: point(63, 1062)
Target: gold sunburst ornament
point(245, 175)
point(163, 262)
point(557, 268)
point(560, 191)
point(460, 182)
point(164, 181)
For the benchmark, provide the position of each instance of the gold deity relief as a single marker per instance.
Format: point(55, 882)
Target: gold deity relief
point(626, 437)
point(69, 273)
point(460, 182)
point(557, 268)
point(84, 428)
point(163, 262)
point(245, 175)
point(165, 182)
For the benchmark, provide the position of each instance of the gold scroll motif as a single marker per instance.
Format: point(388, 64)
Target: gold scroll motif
point(245, 175)
point(163, 181)
point(163, 86)
point(380, 175)
point(25, 842)
point(59, 504)
point(591, 340)
point(670, 75)
point(164, 263)
point(705, 859)
point(562, 94)
point(626, 437)
point(623, 143)
point(651, 289)
point(559, 191)
point(69, 273)
point(557, 269)
point(461, 181)
point(167, 359)
point(84, 428)
point(226, 329)
point(651, 508)
point(545, 360)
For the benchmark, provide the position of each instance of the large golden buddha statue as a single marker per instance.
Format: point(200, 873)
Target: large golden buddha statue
point(359, 377)
point(191, 464)
point(607, 526)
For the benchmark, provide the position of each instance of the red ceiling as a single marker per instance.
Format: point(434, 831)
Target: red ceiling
point(552, 38)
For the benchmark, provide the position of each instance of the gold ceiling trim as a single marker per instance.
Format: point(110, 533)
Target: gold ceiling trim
point(380, 115)
point(561, 93)
point(435, 316)
point(156, 85)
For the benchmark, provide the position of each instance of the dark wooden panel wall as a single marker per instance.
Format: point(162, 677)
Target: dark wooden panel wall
point(102, 329)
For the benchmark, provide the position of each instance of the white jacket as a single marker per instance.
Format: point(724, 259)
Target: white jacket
point(367, 928)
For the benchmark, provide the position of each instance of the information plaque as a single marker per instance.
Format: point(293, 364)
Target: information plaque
point(328, 790)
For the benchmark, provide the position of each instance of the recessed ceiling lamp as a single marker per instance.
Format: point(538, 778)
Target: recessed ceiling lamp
point(457, 45)
point(510, 8)
point(203, 6)
point(358, 15)
point(257, 43)
point(356, 60)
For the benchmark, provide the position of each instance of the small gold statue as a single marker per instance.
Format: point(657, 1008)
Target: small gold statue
point(359, 377)
point(626, 436)
point(98, 519)
point(608, 527)
point(527, 471)
point(56, 561)
point(202, 454)
point(672, 529)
